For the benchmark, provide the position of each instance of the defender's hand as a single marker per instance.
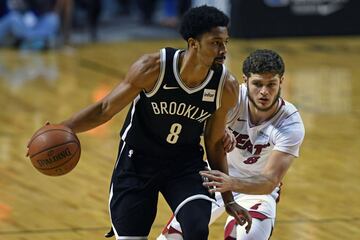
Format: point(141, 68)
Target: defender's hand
point(217, 181)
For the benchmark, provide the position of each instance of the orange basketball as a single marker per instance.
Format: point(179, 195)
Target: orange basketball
point(54, 150)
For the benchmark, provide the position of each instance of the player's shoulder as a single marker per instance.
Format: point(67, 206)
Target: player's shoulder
point(145, 71)
point(230, 89)
point(289, 114)
point(231, 83)
point(230, 78)
point(149, 61)
point(288, 108)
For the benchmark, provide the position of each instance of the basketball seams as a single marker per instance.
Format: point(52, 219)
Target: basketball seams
point(55, 146)
point(49, 130)
point(60, 164)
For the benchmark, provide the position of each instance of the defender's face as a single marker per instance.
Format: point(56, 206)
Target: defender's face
point(263, 90)
point(212, 46)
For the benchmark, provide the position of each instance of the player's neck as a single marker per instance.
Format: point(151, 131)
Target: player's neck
point(257, 117)
point(188, 66)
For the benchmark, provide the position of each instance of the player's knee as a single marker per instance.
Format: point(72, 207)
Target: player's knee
point(260, 230)
point(194, 219)
point(196, 231)
point(195, 227)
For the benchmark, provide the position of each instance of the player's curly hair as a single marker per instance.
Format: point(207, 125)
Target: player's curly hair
point(199, 20)
point(263, 61)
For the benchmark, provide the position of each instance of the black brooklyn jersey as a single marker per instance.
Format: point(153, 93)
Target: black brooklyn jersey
point(169, 120)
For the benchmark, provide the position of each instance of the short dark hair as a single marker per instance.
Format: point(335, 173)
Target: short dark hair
point(199, 20)
point(264, 61)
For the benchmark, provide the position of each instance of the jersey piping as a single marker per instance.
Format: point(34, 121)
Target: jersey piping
point(180, 81)
point(161, 75)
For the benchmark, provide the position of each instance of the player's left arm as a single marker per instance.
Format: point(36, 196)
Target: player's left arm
point(277, 165)
point(214, 133)
point(215, 128)
point(264, 183)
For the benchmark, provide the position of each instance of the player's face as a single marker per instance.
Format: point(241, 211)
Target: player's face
point(212, 46)
point(264, 90)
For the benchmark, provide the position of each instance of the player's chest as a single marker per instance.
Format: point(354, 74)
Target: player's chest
point(178, 104)
point(252, 141)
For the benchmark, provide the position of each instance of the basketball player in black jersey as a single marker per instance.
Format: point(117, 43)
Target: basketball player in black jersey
point(176, 96)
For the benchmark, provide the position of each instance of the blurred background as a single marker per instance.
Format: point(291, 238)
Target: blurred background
point(58, 56)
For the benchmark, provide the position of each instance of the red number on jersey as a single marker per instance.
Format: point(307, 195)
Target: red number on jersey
point(256, 206)
point(251, 160)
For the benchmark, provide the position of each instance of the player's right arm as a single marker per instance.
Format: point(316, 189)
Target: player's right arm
point(287, 144)
point(141, 76)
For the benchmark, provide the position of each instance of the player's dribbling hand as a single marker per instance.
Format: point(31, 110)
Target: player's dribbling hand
point(240, 214)
point(229, 141)
point(27, 145)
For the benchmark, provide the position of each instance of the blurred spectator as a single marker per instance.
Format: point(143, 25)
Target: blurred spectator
point(93, 9)
point(30, 24)
point(171, 16)
point(147, 8)
point(64, 8)
point(111, 9)
point(71, 16)
point(3, 8)
point(124, 7)
point(223, 5)
point(174, 9)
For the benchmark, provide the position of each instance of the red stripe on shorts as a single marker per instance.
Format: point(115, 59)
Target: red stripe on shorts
point(228, 229)
point(258, 215)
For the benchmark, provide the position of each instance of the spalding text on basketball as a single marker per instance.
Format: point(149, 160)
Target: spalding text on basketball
point(54, 158)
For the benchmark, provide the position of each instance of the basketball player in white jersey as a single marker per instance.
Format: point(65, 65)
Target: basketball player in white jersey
point(268, 132)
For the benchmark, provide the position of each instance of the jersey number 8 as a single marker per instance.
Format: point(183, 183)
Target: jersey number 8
point(173, 136)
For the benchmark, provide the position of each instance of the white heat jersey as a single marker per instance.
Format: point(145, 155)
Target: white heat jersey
point(283, 132)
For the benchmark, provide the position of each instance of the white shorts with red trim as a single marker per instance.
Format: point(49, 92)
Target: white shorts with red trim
point(259, 206)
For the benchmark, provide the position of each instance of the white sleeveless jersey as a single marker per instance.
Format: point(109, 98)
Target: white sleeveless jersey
point(283, 132)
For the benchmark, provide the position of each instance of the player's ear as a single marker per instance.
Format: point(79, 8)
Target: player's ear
point(282, 79)
point(192, 43)
point(244, 78)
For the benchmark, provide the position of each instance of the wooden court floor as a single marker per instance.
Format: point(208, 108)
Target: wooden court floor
point(321, 194)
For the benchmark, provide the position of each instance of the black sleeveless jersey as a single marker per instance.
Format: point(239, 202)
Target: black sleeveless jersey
point(169, 120)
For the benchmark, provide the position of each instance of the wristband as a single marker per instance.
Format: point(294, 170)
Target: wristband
point(229, 203)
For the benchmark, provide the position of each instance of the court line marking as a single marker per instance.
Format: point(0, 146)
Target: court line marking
point(100, 68)
point(61, 230)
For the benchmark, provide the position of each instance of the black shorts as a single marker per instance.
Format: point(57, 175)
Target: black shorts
point(136, 182)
